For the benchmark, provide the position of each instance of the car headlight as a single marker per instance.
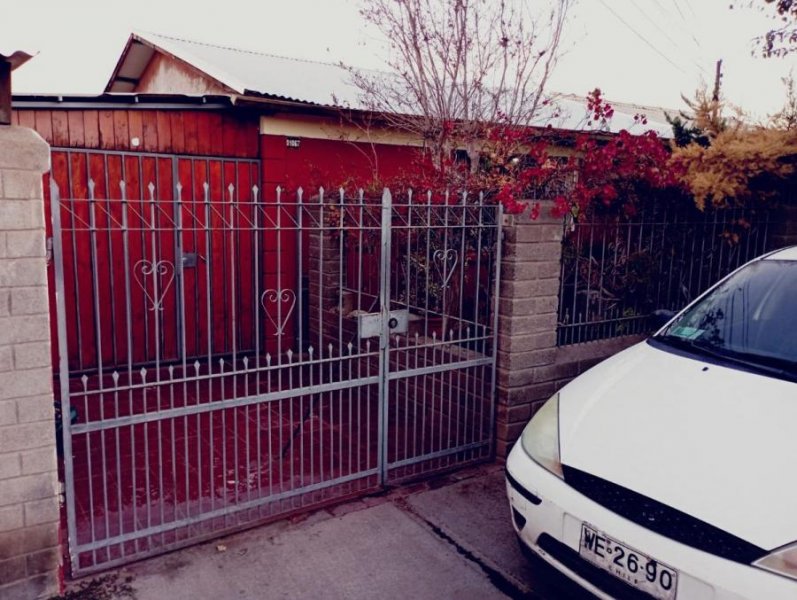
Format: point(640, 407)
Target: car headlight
point(540, 438)
point(782, 561)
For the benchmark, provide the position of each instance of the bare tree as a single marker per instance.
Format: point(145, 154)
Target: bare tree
point(781, 40)
point(459, 67)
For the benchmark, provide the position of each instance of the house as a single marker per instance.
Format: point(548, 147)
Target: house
point(303, 119)
point(198, 326)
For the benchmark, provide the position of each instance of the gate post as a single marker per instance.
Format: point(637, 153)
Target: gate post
point(28, 467)
point(384, 333)
point(527, 314)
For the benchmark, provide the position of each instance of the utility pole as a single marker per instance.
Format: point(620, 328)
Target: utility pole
point(717, 81)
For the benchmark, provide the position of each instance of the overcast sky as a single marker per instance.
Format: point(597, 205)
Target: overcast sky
point(642, 51)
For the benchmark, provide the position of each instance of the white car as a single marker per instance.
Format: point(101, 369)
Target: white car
point(670, 470)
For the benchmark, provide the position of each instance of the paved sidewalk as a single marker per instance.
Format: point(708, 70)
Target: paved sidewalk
point(447, 538)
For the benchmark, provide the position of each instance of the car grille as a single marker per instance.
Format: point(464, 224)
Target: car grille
point(602, 580)
point(662, 519)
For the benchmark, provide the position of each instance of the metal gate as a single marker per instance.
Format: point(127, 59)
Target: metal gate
point(225, 359)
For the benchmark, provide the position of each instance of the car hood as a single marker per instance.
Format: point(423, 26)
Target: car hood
point(714, 442)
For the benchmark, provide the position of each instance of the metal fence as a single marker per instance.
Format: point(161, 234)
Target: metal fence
point(225, 359)
point(616, 271)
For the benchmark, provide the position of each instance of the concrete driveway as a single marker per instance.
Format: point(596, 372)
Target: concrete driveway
point(447, 538)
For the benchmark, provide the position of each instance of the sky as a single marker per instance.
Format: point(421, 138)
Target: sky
point(641, 51)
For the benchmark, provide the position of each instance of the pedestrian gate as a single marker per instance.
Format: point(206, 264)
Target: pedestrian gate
point(225, 359)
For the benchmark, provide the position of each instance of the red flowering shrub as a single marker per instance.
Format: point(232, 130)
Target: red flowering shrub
point(605, 172)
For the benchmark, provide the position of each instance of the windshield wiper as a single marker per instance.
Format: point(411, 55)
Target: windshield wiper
point(755, 362)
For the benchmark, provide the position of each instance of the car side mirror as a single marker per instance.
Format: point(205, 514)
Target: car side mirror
point(659, 318)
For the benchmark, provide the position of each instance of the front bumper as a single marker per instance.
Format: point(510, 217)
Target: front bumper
point(547, 515)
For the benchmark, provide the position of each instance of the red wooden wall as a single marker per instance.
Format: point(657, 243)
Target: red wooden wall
point(194, 132)
point(203, 144)
point(330, 163)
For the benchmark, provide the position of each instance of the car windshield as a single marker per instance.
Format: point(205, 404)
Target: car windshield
point(750, 320)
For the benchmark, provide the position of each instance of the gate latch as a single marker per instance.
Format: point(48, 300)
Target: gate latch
point(188, 259)
point(370, 324)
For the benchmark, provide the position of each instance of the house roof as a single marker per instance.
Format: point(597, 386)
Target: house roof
point(127, 101)
point(320, 84)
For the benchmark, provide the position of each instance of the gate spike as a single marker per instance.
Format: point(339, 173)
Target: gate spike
point(85, 380)
point(91, 189)
point(115, 377)
point(143, 373)
point(290, 355)
point(231, 190)
point(268, 359)
point(196, 366)
point(151, 188)
point(361, 195)
point(179, 189)
point(299, 195)
point(342, 194)
point(246, 363)
point(255, 190)
point(321, 195)
point(409, 196)
point(171, 371)
point(350, 346)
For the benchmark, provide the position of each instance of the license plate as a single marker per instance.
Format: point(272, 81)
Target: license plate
point(635, 568)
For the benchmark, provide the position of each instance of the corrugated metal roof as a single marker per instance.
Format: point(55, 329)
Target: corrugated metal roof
point(246, 71)
point(330, 85)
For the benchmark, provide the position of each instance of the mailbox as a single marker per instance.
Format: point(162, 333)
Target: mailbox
point(370, 324)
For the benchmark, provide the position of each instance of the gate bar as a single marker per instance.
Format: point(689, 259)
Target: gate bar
point(384, 333)
point(63, 371)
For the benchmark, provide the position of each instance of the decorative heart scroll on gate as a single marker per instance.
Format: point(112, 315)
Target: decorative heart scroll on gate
point(162, 273)
point(446, 262)
point(275, 298)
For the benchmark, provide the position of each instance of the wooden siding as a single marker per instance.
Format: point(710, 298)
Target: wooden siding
point(164, 75)
point(194, 132)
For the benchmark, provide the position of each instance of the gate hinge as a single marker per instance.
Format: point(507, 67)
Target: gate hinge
point(48, 245)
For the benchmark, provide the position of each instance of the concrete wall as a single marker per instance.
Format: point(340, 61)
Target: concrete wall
point(28, 470)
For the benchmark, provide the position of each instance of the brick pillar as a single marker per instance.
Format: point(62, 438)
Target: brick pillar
point(28, 469)
point(531, 367)
point(527, 316)
point(324, 271)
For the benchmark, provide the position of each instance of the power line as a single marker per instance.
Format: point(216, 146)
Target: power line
point(641, 37)
point(691, 9)
point(678, 8)
point(686, 30)
point(655, 24)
